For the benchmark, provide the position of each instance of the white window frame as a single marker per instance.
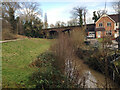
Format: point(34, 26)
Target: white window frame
point(100, 24)
point(109, 24)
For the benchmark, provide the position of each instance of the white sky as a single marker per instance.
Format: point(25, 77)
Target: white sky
point(60, 11)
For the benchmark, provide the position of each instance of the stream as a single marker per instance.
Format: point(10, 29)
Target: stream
point(93, 79)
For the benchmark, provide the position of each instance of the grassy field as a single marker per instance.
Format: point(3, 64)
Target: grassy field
point(16, 57)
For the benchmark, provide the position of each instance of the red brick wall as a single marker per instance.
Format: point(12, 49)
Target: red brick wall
point(102, 33)
point(104, 21)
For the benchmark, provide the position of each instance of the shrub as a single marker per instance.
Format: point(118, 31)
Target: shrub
point(51, 78)
point(78, 37)
point(47, 76)
point(65, 50)
point(91, 57)
point(43, 60)
point(7, 35)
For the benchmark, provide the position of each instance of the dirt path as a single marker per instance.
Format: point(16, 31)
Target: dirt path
point(9, 40)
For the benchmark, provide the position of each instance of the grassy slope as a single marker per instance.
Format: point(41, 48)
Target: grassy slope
point(16, 57)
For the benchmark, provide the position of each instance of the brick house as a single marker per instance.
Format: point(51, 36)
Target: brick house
point(107, 25)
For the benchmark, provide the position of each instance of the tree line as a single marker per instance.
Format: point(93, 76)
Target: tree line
point(23, 18)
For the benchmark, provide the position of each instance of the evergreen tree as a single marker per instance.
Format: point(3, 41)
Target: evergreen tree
point(45, 21)
point(95, 16)
point(33, 28)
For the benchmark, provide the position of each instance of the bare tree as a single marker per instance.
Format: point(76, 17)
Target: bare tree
point(52, 26)
point(69, 23)
point(101, 12)
point(6, 7)
point(79, 12)
point(58, 24)
point(8, 15)
point(63, 24)
point(29, 10)
point(116, 6)
point(64, 50)
point(105, 44)
point(84, 15)
point(73, 22)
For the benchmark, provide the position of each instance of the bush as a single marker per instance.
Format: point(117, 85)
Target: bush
point(47, 76)
point(7, 35)
point(95, 63)
point(65, 50)
point(51, 78)
point(43, 59)
point(92, 58)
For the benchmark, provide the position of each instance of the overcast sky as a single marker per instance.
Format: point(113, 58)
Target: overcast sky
point(61, 11)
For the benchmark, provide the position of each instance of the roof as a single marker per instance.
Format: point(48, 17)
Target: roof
point(90, 27)
point(115, 17)
point(100, 29)
point(117, 28)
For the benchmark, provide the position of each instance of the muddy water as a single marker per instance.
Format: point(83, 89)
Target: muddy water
point(95, 79)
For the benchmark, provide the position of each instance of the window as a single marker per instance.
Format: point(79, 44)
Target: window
point(100, 24)
point(109, 24)
point(109, 32)
point(99, 34)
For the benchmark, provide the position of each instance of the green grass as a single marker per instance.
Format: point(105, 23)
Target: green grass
point(100, 39)
point(16, 57)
